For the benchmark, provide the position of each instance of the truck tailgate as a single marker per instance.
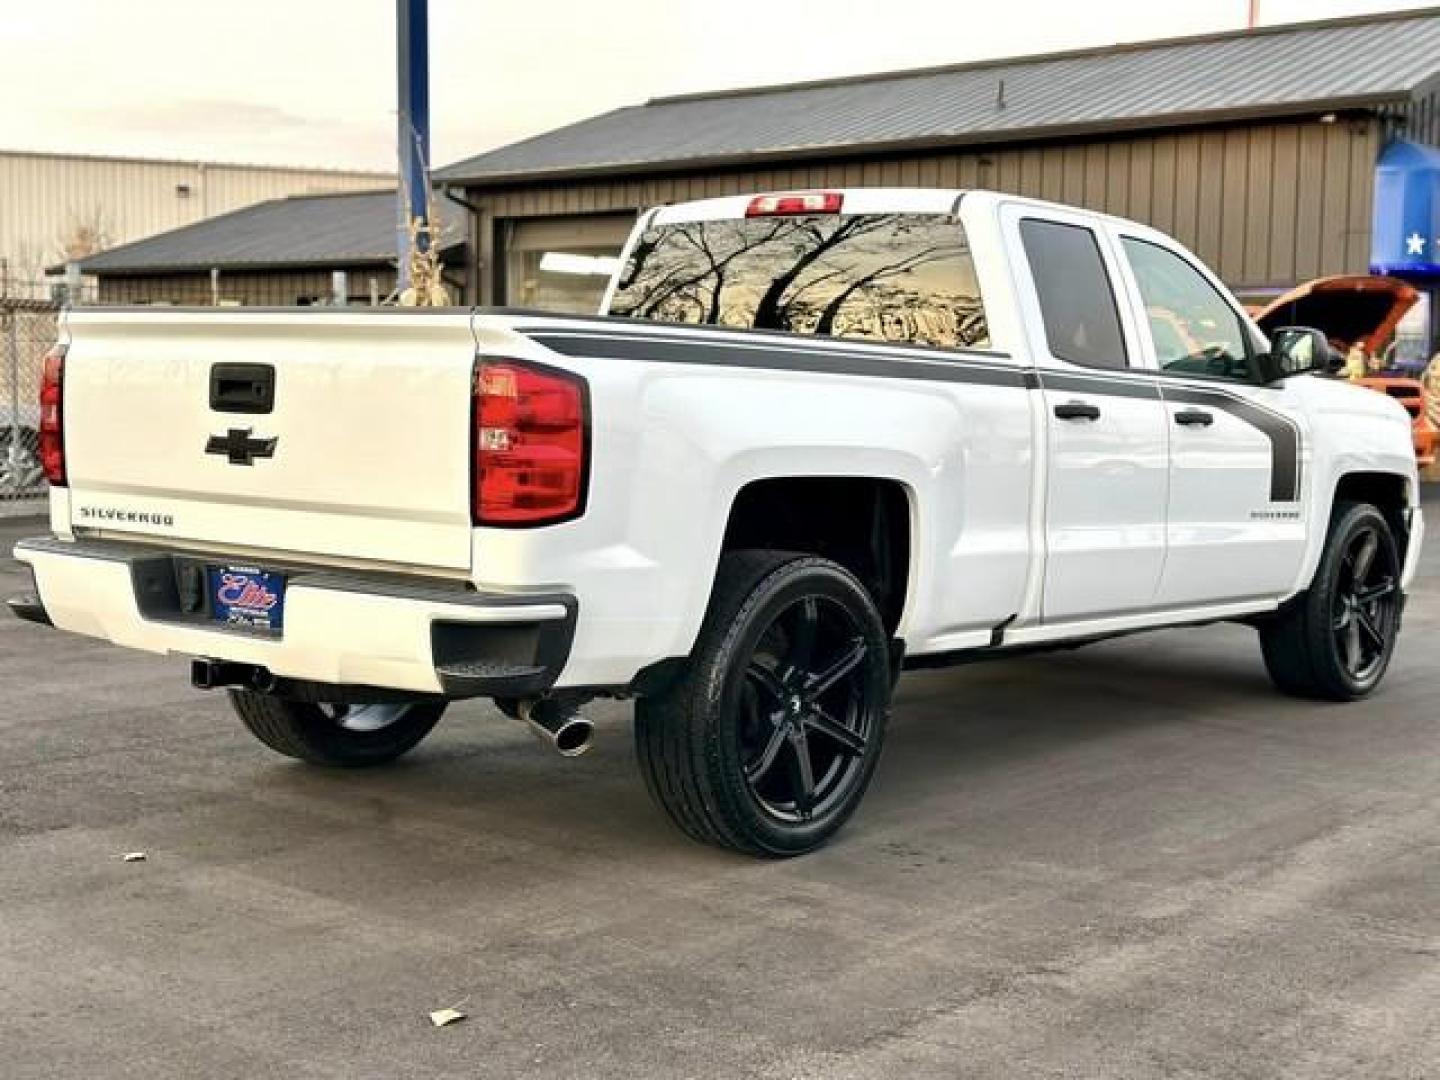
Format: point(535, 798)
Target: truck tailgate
point(370, 421)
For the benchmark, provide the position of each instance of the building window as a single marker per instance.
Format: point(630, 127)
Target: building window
point(571, 280)
point(561, 263)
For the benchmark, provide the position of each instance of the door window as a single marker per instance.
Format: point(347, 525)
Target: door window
point(1077, 304)
point(1195, 331)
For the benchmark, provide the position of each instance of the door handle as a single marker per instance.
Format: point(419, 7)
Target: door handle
point(1077, 410)
point(1194, 418)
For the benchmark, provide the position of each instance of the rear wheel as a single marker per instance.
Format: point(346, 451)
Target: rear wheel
point(767, 742)
point(1335, 641)
point(327, 733)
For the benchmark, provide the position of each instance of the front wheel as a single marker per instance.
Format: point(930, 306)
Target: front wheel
point(767, 741)
point(324, 733)
point(1335, 641)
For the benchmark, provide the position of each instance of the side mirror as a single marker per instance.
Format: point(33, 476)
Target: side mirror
point(1296, 350)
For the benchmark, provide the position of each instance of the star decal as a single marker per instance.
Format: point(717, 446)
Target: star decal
point(1415, 244)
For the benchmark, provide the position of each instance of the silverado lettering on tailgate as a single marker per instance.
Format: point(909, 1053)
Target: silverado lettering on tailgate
point(127, 517)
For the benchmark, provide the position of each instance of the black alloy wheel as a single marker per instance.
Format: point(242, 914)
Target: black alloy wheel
point(768, 738)
point(805, 726)
point(1364, 609)
point(1334, 641)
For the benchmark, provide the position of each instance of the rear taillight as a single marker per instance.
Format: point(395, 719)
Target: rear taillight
point(52, 416)
point(808, 202)
point(530, 426)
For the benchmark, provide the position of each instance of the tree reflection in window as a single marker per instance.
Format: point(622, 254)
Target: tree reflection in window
point(884, 277)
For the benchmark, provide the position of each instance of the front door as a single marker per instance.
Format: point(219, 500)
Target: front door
point(1106, 453)
point(1236, 511)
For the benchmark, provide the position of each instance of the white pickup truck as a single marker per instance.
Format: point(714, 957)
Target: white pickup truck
point(816, 438)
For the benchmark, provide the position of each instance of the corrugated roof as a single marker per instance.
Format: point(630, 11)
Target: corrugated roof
point(379, 176)
point(333, 230)
point(1283, 70)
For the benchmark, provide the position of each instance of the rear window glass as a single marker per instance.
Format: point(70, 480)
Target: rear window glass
point(883, 277)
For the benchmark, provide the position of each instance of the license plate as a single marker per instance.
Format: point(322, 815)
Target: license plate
point(245, 596)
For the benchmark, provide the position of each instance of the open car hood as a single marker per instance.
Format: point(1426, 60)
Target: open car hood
point(1350, 309)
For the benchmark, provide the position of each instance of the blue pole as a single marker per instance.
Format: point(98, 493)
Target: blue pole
point(412, 26)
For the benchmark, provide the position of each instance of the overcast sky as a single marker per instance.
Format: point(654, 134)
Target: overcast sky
point(313, 81)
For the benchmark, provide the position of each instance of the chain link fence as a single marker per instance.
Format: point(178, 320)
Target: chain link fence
point(28, 328)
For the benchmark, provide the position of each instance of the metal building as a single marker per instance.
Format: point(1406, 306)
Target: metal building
point(1258, 149)
point(57, 206)
point(284, 252)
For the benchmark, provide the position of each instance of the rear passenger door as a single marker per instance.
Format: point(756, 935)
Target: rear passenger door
point(1106, 452)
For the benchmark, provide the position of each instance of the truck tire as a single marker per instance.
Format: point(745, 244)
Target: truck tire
point(1335, 641)
point(767, 740)
point(347, 736)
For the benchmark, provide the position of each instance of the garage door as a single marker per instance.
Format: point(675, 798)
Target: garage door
point(563, 263)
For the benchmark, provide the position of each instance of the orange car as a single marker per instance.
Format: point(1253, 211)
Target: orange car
point(1411, 394)
point(1356, 310)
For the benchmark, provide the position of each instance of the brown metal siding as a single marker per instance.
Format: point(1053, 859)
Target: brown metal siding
point(1259, 198)
point(1265, 205)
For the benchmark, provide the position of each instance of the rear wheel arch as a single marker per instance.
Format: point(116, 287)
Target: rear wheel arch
point(866, 524)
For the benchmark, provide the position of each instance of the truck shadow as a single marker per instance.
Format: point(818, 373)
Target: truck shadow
point(951, 732)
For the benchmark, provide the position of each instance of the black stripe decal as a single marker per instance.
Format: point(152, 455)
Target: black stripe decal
point(1282, 433)
point(675, 350)
point(1108, 386)
point(1284, 436)
point(744, 337)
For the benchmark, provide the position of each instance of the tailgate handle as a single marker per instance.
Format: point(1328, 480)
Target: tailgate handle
point(242, 388)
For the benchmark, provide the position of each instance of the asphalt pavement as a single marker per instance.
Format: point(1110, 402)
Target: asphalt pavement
point(1134, 860)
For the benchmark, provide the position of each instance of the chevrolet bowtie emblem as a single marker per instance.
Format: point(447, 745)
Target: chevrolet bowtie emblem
point(239, 448)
